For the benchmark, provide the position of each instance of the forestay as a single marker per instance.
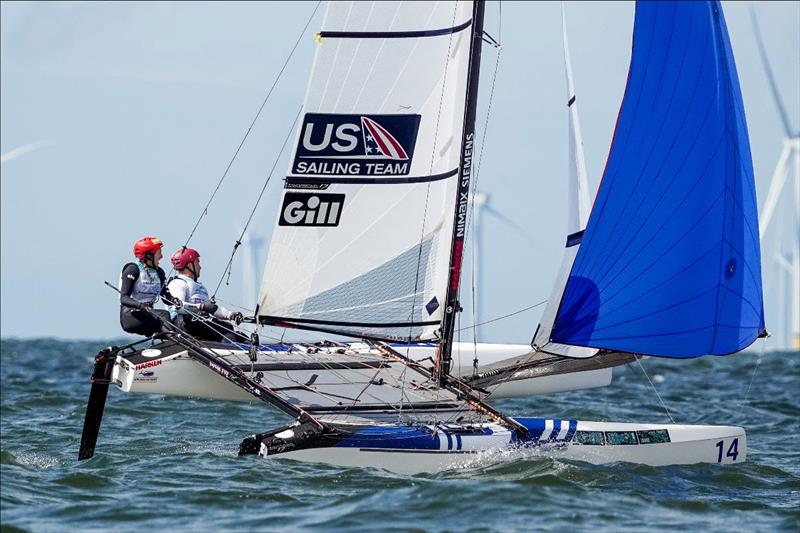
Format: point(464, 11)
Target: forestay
point(362, 241)
point(669, 264)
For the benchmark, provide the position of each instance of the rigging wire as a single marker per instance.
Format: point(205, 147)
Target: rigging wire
point(204, 212)
point(504, 316)
point(430, 171)
point(759, 358)
point(227, 270)
point(660, 400)
point(471, 213)
point(474, 186)
point(391, 380)
point(427, 197)
point(222, 328)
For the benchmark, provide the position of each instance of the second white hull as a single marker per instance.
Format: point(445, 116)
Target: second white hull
point(180, 375)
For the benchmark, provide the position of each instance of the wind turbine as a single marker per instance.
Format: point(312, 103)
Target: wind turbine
point(789, 159)
point(481, 206)
point(250, 272)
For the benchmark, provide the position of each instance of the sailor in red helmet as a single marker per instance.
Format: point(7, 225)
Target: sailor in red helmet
point(140, 285)
point(192, 309)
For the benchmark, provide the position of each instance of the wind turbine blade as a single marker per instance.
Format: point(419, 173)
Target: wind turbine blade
point(770, 77)
point(507, 221)
point(22, 150)
point(775, 187)
point(783, 262)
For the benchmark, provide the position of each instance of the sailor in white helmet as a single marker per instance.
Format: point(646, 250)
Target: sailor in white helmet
point(192, 310)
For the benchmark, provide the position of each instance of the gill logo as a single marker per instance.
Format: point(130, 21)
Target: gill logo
point(311, 209)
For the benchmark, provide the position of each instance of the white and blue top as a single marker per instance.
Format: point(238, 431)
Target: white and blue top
point(191, 294)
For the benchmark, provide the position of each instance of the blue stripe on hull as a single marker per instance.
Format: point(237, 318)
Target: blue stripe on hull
point(536, 430)
point(394, 437)
point(540, 431)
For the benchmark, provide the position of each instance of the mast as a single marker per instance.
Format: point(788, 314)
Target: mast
point(444, 354)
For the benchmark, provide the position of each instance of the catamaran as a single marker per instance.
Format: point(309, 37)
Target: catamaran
point(370, 235)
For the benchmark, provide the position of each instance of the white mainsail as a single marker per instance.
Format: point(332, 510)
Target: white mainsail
point(363, 238)
point(577, 217)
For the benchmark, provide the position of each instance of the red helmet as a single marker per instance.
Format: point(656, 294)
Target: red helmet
point(184, 256)
point(146, 245)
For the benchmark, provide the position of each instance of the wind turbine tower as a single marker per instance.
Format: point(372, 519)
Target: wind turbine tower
point(480, 208)
point(253, 247)
point(788, 163)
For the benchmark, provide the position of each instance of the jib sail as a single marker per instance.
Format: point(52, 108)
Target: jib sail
point(363, 238)
point(669, 264)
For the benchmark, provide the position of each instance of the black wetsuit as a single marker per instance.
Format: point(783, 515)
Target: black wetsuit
point(131, 318)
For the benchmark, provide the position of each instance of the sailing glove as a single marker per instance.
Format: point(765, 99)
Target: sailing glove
point(236, 317)
point(208, 307)
point(142, 306)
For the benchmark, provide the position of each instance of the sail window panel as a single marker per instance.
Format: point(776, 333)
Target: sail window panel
point(397, 289)
point(382, 16)
point(380, 265)
point(669, 264)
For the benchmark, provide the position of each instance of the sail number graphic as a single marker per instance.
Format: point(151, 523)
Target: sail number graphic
point(733, 449)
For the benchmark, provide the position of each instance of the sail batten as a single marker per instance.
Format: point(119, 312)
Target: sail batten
point(670, 262)
point(297, 180)
point(407, 34)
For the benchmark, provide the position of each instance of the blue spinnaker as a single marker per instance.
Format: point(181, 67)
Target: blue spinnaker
point(670, 260)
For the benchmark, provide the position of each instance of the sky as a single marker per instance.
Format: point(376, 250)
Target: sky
point(118, 119)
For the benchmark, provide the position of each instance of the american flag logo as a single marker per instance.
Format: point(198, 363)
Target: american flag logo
point(379, 142)
point(356, 145)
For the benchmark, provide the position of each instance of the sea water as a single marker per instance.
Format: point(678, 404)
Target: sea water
point(170, 463)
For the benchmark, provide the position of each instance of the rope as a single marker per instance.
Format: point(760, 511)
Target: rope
point(425, 216)
point(505, 316)
point(221, 328)
point(474, 185)
point(430, 171)
point(522, 362)
point(661, 401)
point(759, 358)
point(204, 212)
point(238, 242)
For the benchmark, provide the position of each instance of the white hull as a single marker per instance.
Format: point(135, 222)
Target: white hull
point(689, 445)
point(182, 376)
point(363, 431)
